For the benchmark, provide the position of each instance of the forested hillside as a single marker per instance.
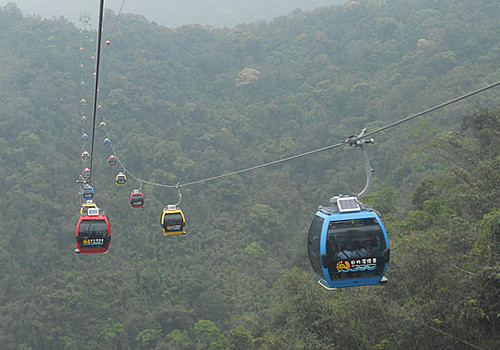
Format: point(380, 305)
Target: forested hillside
point(190, 102)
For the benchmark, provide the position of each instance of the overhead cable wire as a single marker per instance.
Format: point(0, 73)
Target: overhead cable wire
point(456, 99)
point(322, 149)
point(452, 336)
point(348, 140)
point(96, 90)
point(116, 21)
point(82, 92)
point(265, 164)
point(110, 35)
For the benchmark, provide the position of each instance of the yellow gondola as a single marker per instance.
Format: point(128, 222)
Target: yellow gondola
point(173, 221)
point(85, 155)
point(121, 179)
point(85, 207)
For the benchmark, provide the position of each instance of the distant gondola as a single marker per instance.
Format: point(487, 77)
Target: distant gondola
point(85, 207)
point(86, 173)
point(88, 193)
point(93, 232)
point(85, 155)
point(137, 199)
point(112, 160)
point(173, 221)
point(121, 179)
point(348, 245)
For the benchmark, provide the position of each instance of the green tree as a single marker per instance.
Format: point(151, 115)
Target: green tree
point(208, 336)
point(148, 338)
point(113, 332)
point(179, 339)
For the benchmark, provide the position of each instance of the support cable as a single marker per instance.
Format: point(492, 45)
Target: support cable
point(456, 99)
point(350, 140)
point(116, 21)
point(98, 57)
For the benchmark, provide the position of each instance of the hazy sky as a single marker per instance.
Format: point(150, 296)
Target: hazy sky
point(218, 13)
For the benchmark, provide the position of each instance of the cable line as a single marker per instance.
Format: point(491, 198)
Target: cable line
point(350, 140)
point(265, 164)
point(98, 57)
point(116, 21)
point(456, 99)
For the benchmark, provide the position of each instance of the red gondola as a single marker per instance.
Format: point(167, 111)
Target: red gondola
point(93, 233)
point(136, 199)
point(112, 160)
point(86, 173)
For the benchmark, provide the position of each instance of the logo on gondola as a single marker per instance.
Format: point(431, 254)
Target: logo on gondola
point(343, 265)
point(357, 265)
point(96, 241)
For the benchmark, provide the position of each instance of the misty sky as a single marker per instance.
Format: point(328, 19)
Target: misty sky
point(218, 13)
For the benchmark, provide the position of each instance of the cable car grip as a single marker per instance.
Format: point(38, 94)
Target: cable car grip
point(178, 187)
point(355, 140)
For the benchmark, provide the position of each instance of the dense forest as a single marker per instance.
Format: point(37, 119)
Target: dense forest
point(190, 102)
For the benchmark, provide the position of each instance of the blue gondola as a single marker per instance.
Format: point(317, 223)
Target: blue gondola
point(88, 192)
point(348, 245)
point(107, 142)
point(85, 137)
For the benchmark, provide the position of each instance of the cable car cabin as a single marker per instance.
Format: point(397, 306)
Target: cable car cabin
point(85, 207)
point(136, 199)
point(121, 179)
point(85, 155)
point(348, 245)
point(173, 221)
point(106, 142)
point(112, 160)
point(93, 233)
point(86, 173)
point(88, 193)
